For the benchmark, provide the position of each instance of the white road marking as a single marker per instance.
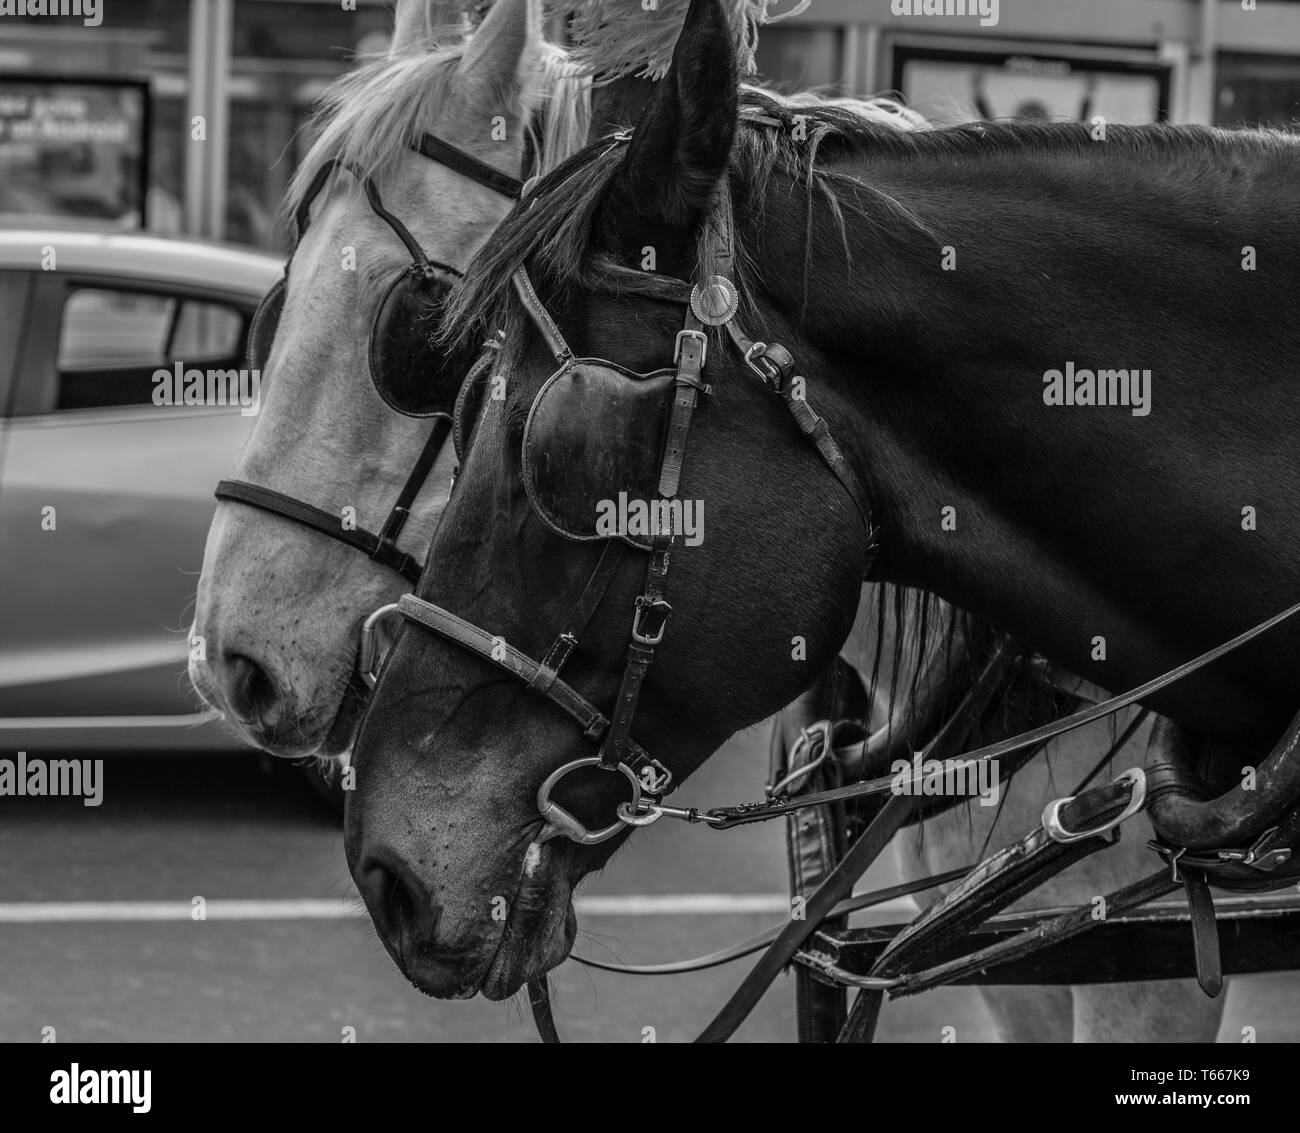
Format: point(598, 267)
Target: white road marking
point(623, 905)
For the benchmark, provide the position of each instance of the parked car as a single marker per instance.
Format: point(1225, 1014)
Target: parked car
point(106, 496)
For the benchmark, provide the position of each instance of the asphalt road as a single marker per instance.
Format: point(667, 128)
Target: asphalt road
point(98, 940)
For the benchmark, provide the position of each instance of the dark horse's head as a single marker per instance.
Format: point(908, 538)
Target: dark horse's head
point(443, 830)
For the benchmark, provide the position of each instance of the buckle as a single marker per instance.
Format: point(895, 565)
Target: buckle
point(696, 334)
point(756, 360)
point(1137, 780)
point(658, 608)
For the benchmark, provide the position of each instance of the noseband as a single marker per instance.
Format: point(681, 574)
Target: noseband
point(709, 303)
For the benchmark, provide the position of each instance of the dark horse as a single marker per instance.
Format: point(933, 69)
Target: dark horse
point(953, 299)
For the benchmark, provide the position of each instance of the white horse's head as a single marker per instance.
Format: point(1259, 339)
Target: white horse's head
point(279, 604)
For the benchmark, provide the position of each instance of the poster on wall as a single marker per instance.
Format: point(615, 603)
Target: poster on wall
point(74, 149)
point(950, 87)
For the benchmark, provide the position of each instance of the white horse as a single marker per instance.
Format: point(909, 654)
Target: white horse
point(280, 606)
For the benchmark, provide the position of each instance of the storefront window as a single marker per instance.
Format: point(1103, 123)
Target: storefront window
point(1258, 90)
point(70, 126)
point(169, 18)
point(953, 86)
point(284, 55)
point(317, 33)
point(801, 58)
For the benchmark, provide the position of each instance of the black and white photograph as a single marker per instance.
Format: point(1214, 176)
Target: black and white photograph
point(650, 521)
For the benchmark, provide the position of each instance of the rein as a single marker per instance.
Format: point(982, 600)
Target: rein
point(723, 818)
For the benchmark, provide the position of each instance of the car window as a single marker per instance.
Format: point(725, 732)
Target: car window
point(111, 342)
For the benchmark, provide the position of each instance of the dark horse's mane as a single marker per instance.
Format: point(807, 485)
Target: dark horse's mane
point(558, 244)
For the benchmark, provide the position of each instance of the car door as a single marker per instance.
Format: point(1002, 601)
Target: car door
point(106, 496)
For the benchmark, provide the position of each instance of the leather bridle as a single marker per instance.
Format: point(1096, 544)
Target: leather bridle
point(709, 303)
point(380, 547)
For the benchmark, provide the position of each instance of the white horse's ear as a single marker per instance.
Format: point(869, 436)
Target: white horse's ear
point(423, 25)
point(510, 31)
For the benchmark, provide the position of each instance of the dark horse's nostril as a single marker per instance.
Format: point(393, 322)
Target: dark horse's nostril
point(396, 899)
point(250, 689)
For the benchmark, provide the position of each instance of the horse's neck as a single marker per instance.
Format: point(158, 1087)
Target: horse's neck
point(972, 281)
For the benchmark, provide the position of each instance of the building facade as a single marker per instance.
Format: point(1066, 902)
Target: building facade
point(249, 71)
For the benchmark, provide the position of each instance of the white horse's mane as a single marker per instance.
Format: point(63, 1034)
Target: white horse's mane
point(881, 109)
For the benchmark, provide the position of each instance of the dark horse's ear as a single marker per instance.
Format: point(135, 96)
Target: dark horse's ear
point(679, 148)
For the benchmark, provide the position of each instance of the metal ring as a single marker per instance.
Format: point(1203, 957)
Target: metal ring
point(368, 651)
point(627, 814)
point(560, 822)
point(1135, 776)
point(807, 737)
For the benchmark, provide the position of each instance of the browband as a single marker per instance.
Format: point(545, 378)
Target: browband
point(467, 164)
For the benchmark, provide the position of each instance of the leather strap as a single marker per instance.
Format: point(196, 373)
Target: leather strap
point(381, 548)
point(467, 165)
point(445, 624)
point(302, 214)
point(648, 627)
point(580, 616)
point(414, 482)
point(541, 317)
point(775, 808)
point(1042, 935)
point(775, 367)
point(539, 999)
point(318, 519)
point(692, 347)
point(1004, 878)
point(1205, 932)
point(872, 843)
point(419, 257)
point(762, 939)
point(814, 840)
